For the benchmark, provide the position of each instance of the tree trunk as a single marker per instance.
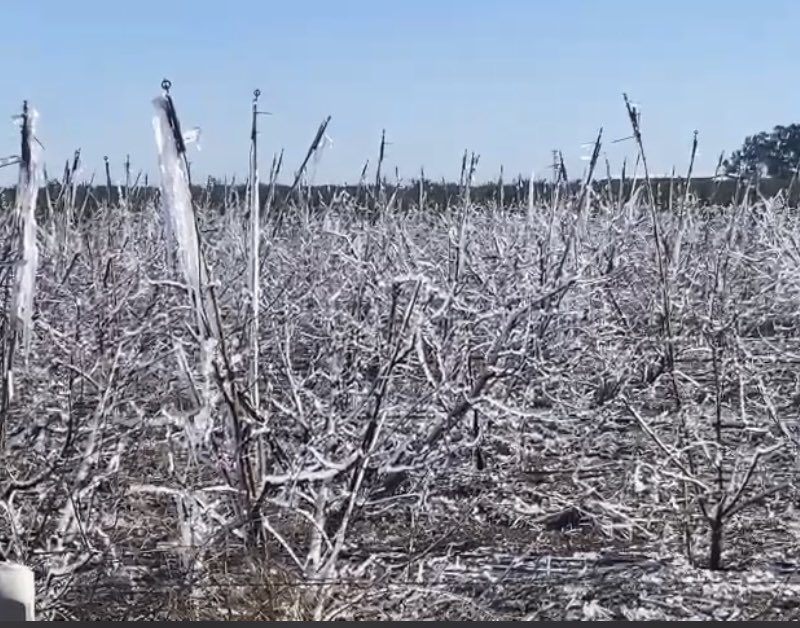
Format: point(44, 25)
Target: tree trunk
point(715, 545)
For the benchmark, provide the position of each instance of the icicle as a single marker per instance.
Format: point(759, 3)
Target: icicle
point(25, 214)
point(176, 198)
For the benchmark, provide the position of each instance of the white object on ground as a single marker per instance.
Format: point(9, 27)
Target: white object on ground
point(17, 593)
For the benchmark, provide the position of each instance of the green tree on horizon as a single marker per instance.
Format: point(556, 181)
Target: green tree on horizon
point(773, 154)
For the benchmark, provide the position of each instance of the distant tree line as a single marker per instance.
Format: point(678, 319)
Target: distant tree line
point(704, 191)
point(766, 164)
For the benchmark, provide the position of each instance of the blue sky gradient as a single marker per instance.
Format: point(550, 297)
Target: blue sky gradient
point(511, 80)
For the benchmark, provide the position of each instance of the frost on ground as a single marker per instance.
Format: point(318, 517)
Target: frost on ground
point(462, 415)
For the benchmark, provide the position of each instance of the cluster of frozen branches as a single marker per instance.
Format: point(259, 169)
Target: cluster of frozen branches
point(161, 442)
point(395, 354)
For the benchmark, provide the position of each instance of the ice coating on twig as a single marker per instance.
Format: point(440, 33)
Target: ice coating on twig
point(177, 203)
point(30, 179)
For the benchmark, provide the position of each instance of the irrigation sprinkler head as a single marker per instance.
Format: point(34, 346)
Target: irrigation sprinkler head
point(172, 117)
point(256, 96)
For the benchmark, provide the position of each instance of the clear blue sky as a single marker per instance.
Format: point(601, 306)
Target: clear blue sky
point(511, 80)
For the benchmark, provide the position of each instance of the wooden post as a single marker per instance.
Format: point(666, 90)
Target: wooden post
point(16, 593)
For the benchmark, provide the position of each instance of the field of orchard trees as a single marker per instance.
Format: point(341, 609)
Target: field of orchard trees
point(520, 401)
